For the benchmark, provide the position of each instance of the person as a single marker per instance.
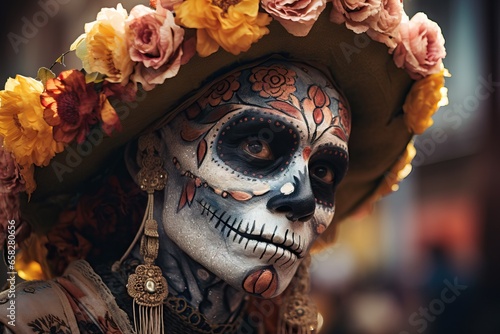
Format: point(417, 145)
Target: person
point(183, 191)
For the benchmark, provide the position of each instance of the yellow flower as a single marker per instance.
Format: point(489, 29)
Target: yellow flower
point(425, 97)
point(103, 47)
point(232, 24)
point(24, 131)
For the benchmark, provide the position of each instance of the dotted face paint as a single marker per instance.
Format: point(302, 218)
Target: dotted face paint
point(254, 164)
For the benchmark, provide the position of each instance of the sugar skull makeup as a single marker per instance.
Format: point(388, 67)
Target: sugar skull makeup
point(253, 166)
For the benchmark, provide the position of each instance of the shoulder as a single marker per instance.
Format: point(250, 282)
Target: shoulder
point(36, 306)
point(77, 302)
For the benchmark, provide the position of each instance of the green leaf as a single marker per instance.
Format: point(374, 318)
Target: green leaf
point(60, 60)
point(45, 74)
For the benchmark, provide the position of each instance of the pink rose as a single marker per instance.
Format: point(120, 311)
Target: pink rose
point(384, 28)
point(155, 43)
point(296, 16)
point(355, 13)
point(421, 50)
point(380, 19)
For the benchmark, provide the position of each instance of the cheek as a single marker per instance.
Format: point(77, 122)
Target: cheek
point(321, 220)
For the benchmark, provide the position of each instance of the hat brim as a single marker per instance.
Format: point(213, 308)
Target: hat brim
point(362, 68)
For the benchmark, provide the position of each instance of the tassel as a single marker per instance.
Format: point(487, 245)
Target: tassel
point(298, 313)
point(150, 319)
point(147, 286)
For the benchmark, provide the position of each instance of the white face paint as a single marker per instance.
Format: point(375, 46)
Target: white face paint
point(253, 166)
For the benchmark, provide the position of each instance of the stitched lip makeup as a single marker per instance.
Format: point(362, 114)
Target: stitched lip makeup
point(290, 246)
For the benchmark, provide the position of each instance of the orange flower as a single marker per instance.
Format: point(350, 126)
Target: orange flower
point(110, 91)
point(425, 97)
point(232, 24)
point(275, 81)
point(22, 126)
point(71, 106)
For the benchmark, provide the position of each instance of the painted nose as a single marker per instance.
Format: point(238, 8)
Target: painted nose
point(299, 205)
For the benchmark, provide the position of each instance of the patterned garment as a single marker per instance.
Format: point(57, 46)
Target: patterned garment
point(77, 302)
point(80, 302)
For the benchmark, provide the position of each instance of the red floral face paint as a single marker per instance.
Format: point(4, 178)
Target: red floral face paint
point(255, 164)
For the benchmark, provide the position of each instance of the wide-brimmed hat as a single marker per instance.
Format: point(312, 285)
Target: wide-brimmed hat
point(389, 68)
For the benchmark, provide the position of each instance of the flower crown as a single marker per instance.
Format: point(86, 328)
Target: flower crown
point(122, 51)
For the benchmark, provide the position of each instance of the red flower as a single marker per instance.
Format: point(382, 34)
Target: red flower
point(274, 81)
point(221, 91)
point(71, 106)
point(111, 212)
point(108, 116)
point(317, 103)
point(125, 93)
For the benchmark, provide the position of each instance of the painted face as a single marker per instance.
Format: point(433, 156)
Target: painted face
point(253, 166)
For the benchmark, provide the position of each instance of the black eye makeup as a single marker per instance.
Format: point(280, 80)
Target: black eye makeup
point(257, 143)
point(327, 167)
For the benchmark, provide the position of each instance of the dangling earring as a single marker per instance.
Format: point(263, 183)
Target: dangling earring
point(147, 286)
point(298, 313)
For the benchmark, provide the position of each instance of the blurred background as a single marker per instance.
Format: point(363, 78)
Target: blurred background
point(426, 260)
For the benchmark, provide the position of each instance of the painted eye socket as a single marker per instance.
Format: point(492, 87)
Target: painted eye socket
point(257, 149)
point(257, 143)
point(323, 173)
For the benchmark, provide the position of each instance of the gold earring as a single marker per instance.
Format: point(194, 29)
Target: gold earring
point(298, 313)
point(147, 286)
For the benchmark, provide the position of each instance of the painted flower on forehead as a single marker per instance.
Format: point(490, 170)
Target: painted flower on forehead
point(25, 132)
point(296, 16)
point(71, 106)
point(222, 90)
point(103, 47)
point(275, 81)
point(421, 50)
point(233, 25)
point(316, 104)
point(155, 43)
